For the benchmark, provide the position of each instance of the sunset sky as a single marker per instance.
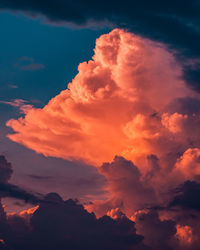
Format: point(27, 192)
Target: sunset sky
point(100, 118)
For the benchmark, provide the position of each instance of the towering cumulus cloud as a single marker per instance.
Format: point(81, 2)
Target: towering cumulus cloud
point(129, 112)
point(112, 106)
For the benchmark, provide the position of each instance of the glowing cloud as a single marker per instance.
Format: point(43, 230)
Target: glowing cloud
point(113, 106)
point(184, 234)
point(189, 164)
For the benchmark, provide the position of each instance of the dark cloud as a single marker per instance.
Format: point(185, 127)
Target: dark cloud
point(67, 225)
point(5, 170)
point(157, 234)
point(10, 190)
point(192, 75)
point(58, 224)
point(186, 105)
point(128, 192)
point(175, 23)
point(13, 191)
point(187, 196)
point(40, 177)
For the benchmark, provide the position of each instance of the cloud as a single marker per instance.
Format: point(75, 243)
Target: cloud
point(13, 191)
point(19, 103)
point(6, 170)
point(12, 86)
point(185, 235)
point(39, 177)
point(157, 234)
point(9, 190)
point(187, 196)
point(28, 64)
point(32, 67)
point(127, 190)
point(188, 164)
point(110, 107)
point(66, 225)
point(55, 223)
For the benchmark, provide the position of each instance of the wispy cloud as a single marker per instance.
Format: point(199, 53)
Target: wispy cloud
point(28, 64)
point(32, 67)
point(21, 104)
point(12, 86)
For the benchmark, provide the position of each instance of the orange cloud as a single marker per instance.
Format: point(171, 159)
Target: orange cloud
point(184, 234)
point(173, 122)
point(129, 100)
point(112, 106)
point(189, 164)
point(29, 211)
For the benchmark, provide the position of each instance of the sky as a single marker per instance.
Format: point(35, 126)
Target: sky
point(99, 131)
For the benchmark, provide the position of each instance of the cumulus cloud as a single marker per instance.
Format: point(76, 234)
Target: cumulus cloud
point(110, 107)
point(66, 225)
point(55, 223)
point(129, 100)
point(128, 192)
point(157, 234)
point(188, 164)
point(184, 234)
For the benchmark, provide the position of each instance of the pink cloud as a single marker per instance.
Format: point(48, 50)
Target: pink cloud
point(23, 106)
point(107, 108)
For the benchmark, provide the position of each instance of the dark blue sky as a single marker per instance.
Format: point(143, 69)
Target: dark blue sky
point(37, 61)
